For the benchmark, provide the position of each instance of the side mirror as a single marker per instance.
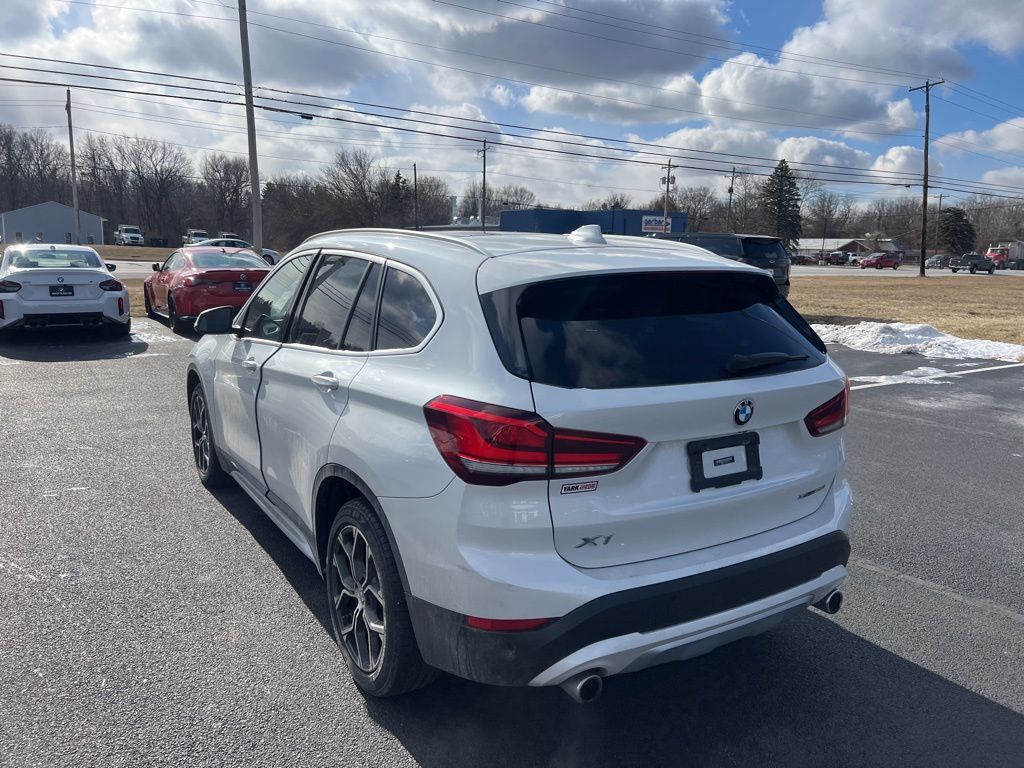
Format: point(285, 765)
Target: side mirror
point(156, 267)
point(110, 267)
point(216, 320)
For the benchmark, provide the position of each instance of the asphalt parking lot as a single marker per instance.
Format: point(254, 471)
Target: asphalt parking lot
point(148, 622)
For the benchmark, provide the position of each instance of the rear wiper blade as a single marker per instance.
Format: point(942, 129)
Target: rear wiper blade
point(742, 363)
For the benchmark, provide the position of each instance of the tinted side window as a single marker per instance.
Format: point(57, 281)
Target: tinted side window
point(329, 300)
point(360, 322)
point(268, 310)
point(174, 262)
point(406, 312)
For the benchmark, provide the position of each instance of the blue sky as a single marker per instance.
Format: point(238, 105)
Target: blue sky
point(823, 84)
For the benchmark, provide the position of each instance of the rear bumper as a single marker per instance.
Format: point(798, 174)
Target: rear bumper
point(632, 629)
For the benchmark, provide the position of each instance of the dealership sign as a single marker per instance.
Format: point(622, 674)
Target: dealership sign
point(656, 224)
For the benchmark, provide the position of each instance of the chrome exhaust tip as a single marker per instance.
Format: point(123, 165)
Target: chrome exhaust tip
point(584, 687)
point(830, 603)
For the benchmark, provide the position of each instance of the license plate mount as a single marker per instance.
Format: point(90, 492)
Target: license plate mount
point(718, 462)
point(243, 286)
point(62, 290)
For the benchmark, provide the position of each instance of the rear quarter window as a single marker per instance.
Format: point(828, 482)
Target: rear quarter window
point(647, 329)
point(406, 312)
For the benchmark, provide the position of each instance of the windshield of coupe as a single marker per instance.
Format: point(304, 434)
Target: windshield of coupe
point(56, 259)
point(227, 261)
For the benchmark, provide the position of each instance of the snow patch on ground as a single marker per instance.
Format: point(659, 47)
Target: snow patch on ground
point(148, 332)
point(917, 376)
point(917, 339)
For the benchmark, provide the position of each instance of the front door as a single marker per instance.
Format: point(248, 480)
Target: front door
point(259, 330)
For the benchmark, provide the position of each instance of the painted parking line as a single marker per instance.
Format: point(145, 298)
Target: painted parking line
point(945, 375)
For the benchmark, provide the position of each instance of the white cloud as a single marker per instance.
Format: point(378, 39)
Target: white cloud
point(1013, 177)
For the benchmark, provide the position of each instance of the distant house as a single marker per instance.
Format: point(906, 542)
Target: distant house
point(808, 246)
point(49, 223)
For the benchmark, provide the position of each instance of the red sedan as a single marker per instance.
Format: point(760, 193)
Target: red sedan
point(880, 261)
point(196, 279)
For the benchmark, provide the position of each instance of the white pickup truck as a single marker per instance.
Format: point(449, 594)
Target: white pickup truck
point(128, 234)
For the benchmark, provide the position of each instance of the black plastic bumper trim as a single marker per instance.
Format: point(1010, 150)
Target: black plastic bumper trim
point(515, 658)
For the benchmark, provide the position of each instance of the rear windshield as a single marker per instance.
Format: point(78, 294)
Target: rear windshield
point(648, 329)
point(60, 259)
point(763, 248)
point(226, 261)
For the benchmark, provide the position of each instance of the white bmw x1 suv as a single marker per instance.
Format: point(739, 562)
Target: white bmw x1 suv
point(531, 459)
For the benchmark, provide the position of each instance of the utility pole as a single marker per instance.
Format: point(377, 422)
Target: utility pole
point(483, 193)
point(415, 199)
point(74, 173)
point(668, 180)
point(250, 124)
point(927, 88)
point(732, 184)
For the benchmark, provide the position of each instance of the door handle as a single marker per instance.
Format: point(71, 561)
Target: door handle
point(250, 364)
point(325, 380)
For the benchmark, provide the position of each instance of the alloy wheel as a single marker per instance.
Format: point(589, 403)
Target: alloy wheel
point(357, 599)
point(200, 432)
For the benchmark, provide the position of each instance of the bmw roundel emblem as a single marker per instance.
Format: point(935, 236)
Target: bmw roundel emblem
point(744, 412)
point(60, 279)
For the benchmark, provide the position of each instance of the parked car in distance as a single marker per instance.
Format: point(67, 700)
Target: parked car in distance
point(193, 236)
point(128, 234)
point(972, 262)
point(938, 261)
point(838, 258)
point(762, 251)
point(1007, 255)
point(531, 459)
point(44, 285)
point(269, 255)
point(228, 235)
point(197, 278)
point(880, 260)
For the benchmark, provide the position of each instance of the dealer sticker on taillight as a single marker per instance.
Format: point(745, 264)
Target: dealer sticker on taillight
point(590, 485)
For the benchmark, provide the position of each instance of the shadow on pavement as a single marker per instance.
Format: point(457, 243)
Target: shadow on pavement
point(63, 345)
point(807, 694)
point(296, 567)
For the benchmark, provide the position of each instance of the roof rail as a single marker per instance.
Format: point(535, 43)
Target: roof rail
point(391, 231)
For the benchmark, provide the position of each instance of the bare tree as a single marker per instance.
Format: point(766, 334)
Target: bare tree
point(226, 192)
point(699, 203)
point(613, 201)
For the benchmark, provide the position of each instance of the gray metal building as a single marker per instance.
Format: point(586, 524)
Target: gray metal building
point(49, 223)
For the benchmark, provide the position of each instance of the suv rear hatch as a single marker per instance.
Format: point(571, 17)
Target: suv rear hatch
point(712, 369)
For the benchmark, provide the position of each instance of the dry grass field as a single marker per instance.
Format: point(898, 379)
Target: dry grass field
point(971, 306)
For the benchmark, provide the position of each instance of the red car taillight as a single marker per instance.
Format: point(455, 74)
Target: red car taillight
point(112, 285)
point(193, 280)
point(9, 286)
point(830, 416)
point(488, 444)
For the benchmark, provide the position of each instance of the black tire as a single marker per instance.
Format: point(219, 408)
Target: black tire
point(973, 270)
point(173, 320)
point(384, 661)
point(204, 449)
point(895, 266)
point(954, 270)
point(991, 270)
point(149, 305)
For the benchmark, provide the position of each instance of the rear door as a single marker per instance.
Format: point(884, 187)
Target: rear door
point(679, 360)
point(305, 385)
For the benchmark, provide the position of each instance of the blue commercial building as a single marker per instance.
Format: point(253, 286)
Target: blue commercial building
point(619, 221)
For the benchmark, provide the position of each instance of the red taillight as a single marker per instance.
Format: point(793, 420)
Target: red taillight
point(193, 280)
point(506, 625)
point(492, 445)
point(830, 416)
point(112, 285)
point(9, 286)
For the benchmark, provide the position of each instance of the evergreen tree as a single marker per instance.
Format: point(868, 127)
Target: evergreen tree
point(956, 232)
point(780, 204)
